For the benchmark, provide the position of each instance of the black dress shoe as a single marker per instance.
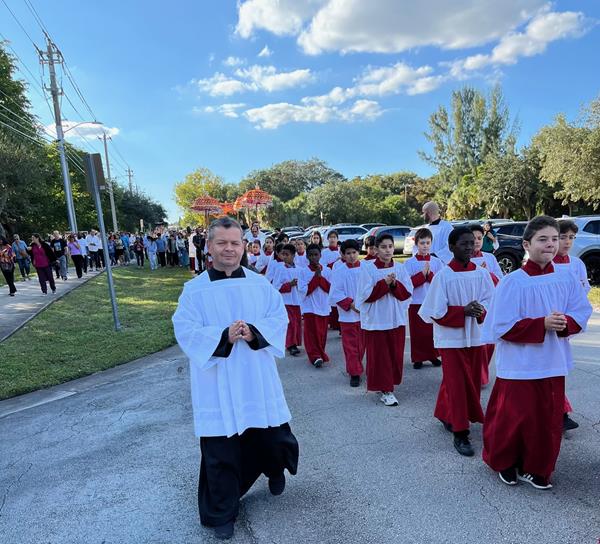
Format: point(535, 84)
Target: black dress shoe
point(224, 532)
point(569, 424)
point(418, 365)
point(277, 484)
point(463, 446)
point(318, 363)
point(354, 381)
point(436, 362)
point(293, 350)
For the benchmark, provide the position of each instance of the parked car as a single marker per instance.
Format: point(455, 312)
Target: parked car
point(399, 233)
point(510, 252)
point(587, 245)
point(353, 232)
point(293, 231)
point(369, 226)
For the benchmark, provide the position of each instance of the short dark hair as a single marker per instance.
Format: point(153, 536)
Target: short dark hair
point(567, 225)
point(370, 241)
point(310, 247)
point(270, 238)
point(332, 232)
point(538, 223)
point(477, 227)
point(282, 236)
point(256, 242)
point(289, 247)
point(423, 233)
point(350, 244)
point(457, 233)
point(224, 223)
point(382, 237)
point(278, 247)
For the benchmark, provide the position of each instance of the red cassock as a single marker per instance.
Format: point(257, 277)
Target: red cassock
point(523, 425)
point(524, 418)
point(334, 319)
point(385, 356)
point(294, 330)
point(315, 336)
point(353, 343)
point(458, 401)
point(421, 337)
point(485, 368)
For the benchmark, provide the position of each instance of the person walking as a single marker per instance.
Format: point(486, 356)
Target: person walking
point(111, 250)
point(161, 249)
point(75, 253)
point(19, 248)
point(138, 248)
point(59, 246)
point(7, 265)
point(152, 249)
point(172, 257)
point(182, 250)
point(42, 257)
point(84, 250)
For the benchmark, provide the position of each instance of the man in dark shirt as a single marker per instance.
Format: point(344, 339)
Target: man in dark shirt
point(59, 248)
point(199, 243)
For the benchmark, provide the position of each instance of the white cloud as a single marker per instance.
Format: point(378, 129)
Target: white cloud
point(267, 78)
point(265, 52)
point(254, 78)
point(228, 110)
point(272, 116)
point(234, 61)
point(281, 17)
point(78, 131)
point(545, 27)
point(384, 26)
point(220, 85)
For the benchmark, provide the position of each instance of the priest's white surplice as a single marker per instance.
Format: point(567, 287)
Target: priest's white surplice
point(231, 394)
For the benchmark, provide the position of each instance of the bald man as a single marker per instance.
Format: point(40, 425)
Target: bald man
point(440, 229)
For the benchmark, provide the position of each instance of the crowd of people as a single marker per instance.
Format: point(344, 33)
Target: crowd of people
point(50, 256)
point(460, 310)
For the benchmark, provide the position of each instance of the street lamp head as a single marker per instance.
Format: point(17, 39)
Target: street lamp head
point(83, 123)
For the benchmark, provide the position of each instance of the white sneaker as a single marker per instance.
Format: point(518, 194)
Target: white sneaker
point(389, 399)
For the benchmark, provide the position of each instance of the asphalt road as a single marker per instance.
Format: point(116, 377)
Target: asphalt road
point(112, 459)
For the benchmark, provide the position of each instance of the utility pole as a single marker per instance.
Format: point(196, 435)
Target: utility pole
point(110, 183)
point(51, 56)
point(130, 176)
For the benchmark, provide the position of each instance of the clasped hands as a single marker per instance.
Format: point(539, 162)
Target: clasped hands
point(474, 309)
point(390, 279)
point(555, 322)
point(239, 330)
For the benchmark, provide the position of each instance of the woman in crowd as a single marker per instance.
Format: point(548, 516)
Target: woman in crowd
point(7, 265)
point(42, 257)
point(76, 254)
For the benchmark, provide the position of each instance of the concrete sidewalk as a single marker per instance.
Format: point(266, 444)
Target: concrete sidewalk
point(112, 459)
point(30, 301)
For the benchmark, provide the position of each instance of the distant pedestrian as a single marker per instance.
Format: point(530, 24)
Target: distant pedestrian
point(119, 248)
point(161, 249)
point(7, 265)
point(19, 248)
point(84, 250)
point(152, 248)
point(182, 250)
point(111, 250)
point(138, 248)
point(172, 257)
point(59, 246)
point(42, 257)
point(75, 253)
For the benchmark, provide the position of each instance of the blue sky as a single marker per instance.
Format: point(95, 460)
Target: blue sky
point(183, 85)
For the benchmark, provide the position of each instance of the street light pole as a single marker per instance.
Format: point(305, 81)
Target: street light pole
point(51, 56)
point(110, 184)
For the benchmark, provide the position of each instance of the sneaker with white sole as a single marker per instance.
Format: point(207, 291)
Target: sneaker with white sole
point(389, 399)
point(508, 476)
point(536, 481)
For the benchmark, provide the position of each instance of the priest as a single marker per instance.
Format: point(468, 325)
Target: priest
point(231, 323)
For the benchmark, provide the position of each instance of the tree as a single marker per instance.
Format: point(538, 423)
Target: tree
point(288, 179)
point(570, 157)
point(476, 127)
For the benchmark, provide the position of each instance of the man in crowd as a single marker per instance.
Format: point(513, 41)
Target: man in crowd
point(255, 234)
point(440, 230)
point(231, 323)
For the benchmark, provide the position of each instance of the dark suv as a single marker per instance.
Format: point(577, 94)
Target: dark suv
point(510, 250)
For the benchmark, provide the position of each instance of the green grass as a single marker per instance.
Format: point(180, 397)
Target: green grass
point(75, 336)
point(594, 297)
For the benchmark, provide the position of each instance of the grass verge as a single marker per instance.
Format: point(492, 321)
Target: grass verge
point(75, 337)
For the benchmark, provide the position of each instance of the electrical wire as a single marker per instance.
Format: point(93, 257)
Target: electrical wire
point(19, 23)
point(35, 140)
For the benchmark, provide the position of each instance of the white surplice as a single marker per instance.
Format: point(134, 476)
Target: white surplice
point(232, 394)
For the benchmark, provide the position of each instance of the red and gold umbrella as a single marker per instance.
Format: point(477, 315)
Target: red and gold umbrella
point(208, 205)
point(228, 208)
point(256, 198)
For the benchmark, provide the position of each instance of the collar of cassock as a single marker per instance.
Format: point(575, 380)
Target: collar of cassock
point(436, 222)
point(423, 257)
point(300, 254)
point(477, 254)
point(534, 269)
point(461, 267)
point(334, 248)
point(380, 264)
point(355, 265)
point(215, 275)
point(314, 267)
point(268, 253)
point(561, 259)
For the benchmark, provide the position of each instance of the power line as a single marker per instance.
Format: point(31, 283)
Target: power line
point(19, 23)
point(125, 163)
point(36, 17)
point(35, 140)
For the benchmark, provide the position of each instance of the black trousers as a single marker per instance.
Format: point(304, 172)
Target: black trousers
point(9, 276)
point(45, 275)
point(162, 258)
point(139, 257)
point(173, 259)
point(78, 262)
point(229, 467)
